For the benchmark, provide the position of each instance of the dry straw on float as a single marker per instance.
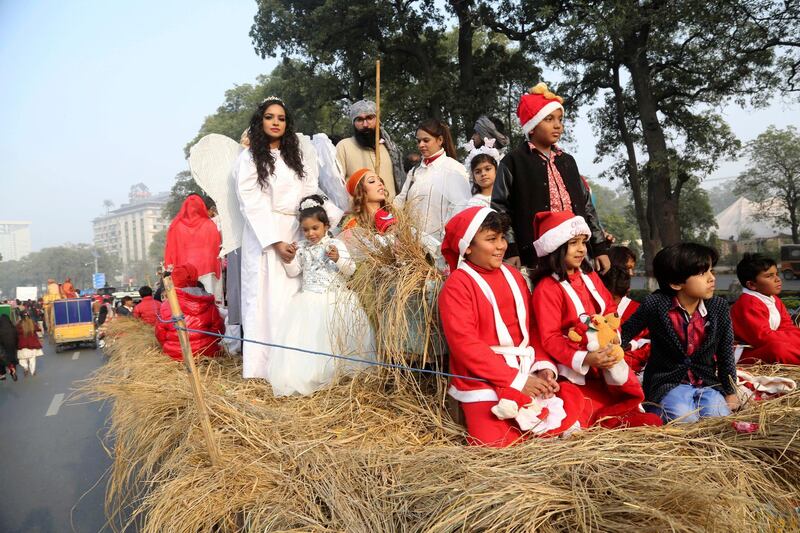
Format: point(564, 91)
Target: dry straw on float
point(398, 286)
point(371, 455)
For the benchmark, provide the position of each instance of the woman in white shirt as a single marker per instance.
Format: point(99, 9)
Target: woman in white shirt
point(272, 175)
point(438, 187)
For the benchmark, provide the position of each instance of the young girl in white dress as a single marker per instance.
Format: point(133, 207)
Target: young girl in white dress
point(324, 316)
point(482, 165)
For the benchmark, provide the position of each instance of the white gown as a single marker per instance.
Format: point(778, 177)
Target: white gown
point(325, 316)
point(270, 217)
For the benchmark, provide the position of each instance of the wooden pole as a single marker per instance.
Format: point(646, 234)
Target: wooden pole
point(378, 117)
point(194, 380)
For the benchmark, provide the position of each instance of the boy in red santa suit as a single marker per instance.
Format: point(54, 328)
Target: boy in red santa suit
point(484, 311)
point(759, 317)
point(566, 291)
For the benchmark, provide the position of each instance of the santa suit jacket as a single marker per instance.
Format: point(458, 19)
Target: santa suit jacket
point(755, 323)
point(469, 326)
point(521, 190)
point(555, 313)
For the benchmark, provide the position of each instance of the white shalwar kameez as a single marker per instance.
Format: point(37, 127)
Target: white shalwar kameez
point(270, 217)
point(435, 192)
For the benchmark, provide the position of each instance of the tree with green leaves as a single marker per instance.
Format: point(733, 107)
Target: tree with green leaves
point(75, 261)
point(772, 178)
point(428, 69)
point(661, 69)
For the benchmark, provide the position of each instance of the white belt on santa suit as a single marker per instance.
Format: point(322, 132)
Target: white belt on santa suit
point(518, 357)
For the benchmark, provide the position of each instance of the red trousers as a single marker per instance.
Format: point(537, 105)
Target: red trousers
point(485, 429)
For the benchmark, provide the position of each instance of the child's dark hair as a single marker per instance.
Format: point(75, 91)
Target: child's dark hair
point(314, 211)
point(499, 222)
point(477, 160)
point(751, 266)
point(678, 262)
point(617, 280)
point(554, 263)
point(145, 291)
point(620, 255)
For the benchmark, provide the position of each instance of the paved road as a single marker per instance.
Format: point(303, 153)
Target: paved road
point(52, 464)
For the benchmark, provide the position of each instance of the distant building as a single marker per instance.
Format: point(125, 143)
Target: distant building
point(15, 239)
point(127, 231)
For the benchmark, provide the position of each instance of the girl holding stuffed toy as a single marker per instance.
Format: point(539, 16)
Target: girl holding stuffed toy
point(567, 295)
point(324, 316)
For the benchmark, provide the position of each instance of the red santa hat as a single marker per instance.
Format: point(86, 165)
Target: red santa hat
point(459, 232)
point(537, 104)
point(552, 229)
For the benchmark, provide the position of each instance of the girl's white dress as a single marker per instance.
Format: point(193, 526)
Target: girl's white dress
point(480, 200)
point(325, 316)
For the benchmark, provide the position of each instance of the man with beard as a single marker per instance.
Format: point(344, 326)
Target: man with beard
point(358, 151)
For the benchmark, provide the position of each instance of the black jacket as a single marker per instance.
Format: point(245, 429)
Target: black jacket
point(521, 190)
point(8, 341)
point(669, 365)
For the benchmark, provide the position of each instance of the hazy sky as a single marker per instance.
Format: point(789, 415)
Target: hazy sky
point(97, 96)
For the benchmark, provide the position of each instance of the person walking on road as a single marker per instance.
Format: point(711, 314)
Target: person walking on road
point(28, 345)
point(8, 348)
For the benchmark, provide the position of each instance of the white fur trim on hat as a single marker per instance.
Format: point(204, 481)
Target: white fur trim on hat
point(538, 117)
point(472, 229)
point(555, 237)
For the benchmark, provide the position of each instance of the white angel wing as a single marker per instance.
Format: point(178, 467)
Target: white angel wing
point(211, 161)
point(331, 176)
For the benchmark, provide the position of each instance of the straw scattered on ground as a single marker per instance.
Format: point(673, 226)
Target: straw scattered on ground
point(380, 453)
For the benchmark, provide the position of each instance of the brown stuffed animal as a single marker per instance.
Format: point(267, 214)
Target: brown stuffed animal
point(599, 331)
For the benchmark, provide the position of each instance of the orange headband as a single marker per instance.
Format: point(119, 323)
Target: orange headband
point(355, 178)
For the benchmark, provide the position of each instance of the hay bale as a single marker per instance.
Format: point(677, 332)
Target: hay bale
point(378, 452)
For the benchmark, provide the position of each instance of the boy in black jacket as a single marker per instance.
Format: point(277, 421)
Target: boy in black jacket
point(538, 176)
point(691, 372)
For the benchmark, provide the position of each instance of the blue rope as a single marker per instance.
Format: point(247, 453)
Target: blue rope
point(174, 321)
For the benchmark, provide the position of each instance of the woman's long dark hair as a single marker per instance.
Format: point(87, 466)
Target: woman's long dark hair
point(259, 145)
point(554, 263)
point(439, 129)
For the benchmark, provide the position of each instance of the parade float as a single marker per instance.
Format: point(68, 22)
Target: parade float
point(380, 450)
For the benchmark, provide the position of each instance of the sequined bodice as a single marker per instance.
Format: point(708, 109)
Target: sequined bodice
point(320, 273)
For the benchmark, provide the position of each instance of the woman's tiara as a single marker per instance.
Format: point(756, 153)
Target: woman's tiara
point(273, 98)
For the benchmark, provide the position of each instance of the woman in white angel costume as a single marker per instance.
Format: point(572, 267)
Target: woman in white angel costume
point(271, 176)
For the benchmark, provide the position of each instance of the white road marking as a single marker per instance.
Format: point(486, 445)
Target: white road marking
point(55, 405)
point(75, 356)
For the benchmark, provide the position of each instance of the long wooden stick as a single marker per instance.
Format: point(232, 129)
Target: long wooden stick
point(378, 117)
point(194, 379)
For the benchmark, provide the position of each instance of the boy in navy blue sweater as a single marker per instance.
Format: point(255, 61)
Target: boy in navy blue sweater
point(691, 373)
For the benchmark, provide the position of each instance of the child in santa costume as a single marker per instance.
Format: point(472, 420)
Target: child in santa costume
point(759, 317)
point(618, 282)
point(538, 176)
point(485, 315)
point(566, 291)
